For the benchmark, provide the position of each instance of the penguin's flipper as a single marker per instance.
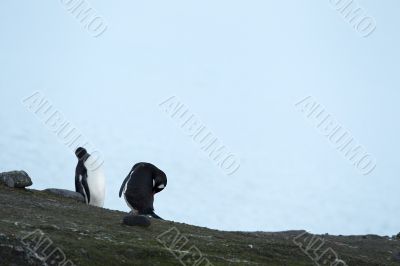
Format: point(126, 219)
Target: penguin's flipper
point(86, 189)
point(121, 190)
point(136, 220)
point(78, 185)
point(79, 172)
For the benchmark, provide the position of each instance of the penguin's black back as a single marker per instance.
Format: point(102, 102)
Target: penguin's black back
point(139, 190)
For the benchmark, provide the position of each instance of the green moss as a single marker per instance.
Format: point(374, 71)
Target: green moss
point(95, 236)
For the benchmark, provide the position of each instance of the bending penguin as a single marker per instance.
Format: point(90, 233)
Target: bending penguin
point(139, 188)
point(89, 180)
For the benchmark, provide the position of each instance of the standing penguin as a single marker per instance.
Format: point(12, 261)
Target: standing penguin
point(139, 187)
point(90, 183)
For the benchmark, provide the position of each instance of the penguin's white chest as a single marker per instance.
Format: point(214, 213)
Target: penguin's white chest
point(96, 182)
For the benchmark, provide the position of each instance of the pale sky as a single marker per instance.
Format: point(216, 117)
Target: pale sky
point(240, 67)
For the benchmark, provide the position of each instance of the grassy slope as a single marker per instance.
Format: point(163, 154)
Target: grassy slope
point(95, 236)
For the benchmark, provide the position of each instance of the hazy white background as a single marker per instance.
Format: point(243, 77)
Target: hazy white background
point(239, 66)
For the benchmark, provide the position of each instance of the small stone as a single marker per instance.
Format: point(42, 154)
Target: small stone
point(136, 220)
point(66, 193)
point(15, 179)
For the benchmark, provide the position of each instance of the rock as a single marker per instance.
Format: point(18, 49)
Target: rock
point(66, 193)
point(15, 179)
point(137, 220)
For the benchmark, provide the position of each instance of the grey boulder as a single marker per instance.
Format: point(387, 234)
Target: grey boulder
point(15, 179)
point(66, 193)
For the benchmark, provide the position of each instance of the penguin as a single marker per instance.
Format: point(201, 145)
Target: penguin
point(90, 183)
point(139, 188)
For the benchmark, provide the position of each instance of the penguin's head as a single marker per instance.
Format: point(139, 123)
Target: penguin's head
point(80, 153)
point(160, 181)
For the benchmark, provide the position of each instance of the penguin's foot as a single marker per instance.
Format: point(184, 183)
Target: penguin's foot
point(137, 220)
